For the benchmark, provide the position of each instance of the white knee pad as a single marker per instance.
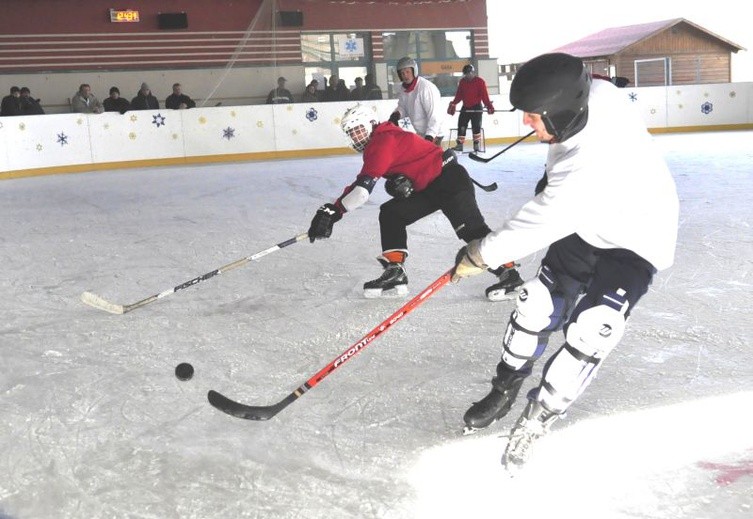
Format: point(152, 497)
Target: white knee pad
point(597, 330)
point(532, 315)
point(535, 306)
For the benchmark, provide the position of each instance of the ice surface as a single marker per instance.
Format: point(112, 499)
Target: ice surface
point(93, 422)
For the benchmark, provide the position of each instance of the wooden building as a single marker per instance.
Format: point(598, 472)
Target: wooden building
point(668, 52)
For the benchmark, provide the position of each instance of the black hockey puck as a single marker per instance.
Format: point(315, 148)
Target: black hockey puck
point(184, 371)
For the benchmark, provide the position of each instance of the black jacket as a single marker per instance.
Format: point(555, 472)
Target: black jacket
point(142, 102)
point(116, 105)
point(173, 102)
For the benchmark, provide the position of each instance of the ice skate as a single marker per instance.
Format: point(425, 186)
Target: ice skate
point(458, 147)
point(476, 146)
point(392, 283)
point(508, 285)
point(534, 423)
point(493, 406)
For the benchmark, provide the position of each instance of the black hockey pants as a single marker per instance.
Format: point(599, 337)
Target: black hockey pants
point(452, 193)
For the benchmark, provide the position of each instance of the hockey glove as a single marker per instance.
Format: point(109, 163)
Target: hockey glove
point(541, 184)
point(451, 109)
point(468, 262)
point(324, 219)
point(490, 109)
point(395, 118)
point(399, 186)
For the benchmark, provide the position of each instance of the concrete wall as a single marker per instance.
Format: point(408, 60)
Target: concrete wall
point(48, 144)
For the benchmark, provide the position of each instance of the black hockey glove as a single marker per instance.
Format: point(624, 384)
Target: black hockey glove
point(399, 186)
point(429, 138)
point(324, 219)
point(395, 118)
point(541, 184)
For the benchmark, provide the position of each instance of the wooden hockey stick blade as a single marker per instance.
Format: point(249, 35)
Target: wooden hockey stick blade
point(102, 304)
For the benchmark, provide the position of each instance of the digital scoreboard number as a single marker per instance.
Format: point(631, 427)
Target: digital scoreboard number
point(124, 16)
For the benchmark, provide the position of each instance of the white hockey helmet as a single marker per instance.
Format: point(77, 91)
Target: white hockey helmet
point(406, 62)
point(358, 123)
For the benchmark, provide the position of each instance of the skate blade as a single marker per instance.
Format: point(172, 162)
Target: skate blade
point(376, 293)
point(468, 430)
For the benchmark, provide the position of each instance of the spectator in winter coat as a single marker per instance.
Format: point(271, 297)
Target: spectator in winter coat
point(115, 103)
point(144, 99)
point(280, 95)
point(421, 180)
point(29, 105)
point(11, 104)
point(419, 99)
point(608, 231)
point(310, 95)
point(373, 92)
point(84, 102)
point(178, 100)
point(471, 92)
point(359, 92)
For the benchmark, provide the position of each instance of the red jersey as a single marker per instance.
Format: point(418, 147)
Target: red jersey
point(472, 92)
point(394, 151)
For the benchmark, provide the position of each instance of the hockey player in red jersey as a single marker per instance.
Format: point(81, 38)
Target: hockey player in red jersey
point(471, 92)
point(421, 179)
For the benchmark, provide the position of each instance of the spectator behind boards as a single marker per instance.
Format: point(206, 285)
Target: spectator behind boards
point(84, 102)
point(29, 105)
point(178, 100)
point(11, 103)
point(280, 95)
point(115, 103)
point(144, 99)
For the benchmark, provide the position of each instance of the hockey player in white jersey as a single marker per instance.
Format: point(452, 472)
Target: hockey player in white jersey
point(419, 99)
point(608, 211)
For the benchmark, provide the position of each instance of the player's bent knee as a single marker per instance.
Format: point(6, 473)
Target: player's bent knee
point(535, 306)
point(596, 331)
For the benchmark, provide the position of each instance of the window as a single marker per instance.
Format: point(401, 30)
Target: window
point(440, 55)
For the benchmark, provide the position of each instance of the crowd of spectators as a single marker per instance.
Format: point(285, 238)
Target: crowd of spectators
point(20, 101)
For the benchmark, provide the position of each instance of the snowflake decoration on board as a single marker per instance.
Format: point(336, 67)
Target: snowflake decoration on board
point(260, 124)
point(731, 94)
point(633, 96)
point(158, 120)
point(132, 136)
point(228, 133)
point(62, 139)
point(404, 123)
point(351, 45)
point(312, 115)
point(22, 126)
point(134, 118)
point(1, 124)
point(202, 120)
point(707, 108)
point(40, 147)
point(232, 113)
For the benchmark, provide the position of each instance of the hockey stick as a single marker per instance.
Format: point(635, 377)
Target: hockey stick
point(475, 157)
point(102, 304)
point(265, 412)
point(491, 187)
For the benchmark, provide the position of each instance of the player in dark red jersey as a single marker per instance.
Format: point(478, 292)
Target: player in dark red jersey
point(472, 93)
point(421, 179)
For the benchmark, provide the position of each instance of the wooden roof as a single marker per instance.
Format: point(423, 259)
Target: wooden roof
point(613, 40)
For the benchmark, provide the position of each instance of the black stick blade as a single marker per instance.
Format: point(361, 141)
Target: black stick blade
point(477, 158)
point(247, 412)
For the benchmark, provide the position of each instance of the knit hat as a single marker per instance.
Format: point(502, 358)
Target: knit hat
point(144, 86)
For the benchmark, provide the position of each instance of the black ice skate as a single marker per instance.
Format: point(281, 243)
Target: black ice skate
point(534, 423)
point(458, 147)
point(476, 146)
point(507, 288)
point(493, 406)
point(393, 282)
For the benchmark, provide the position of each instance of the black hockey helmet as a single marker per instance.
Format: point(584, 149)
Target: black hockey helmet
point(555, 86)
point(468, 69)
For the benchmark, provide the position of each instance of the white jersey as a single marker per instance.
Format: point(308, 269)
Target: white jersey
point(422, 105)
point(607, 183)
